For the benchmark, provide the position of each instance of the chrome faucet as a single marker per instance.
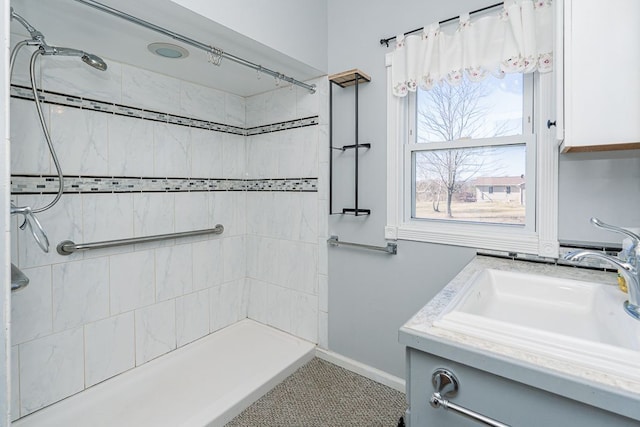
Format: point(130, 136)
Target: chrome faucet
point(630, 269)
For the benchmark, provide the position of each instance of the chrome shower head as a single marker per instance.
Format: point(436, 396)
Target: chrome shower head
point(88, 58)
point(95, 61)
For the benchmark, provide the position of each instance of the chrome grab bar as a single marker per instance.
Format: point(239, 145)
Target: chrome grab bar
point(67, 247)
point(391, 248)
point(445, 384)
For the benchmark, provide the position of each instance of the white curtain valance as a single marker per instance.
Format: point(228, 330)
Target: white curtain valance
point(518, 40)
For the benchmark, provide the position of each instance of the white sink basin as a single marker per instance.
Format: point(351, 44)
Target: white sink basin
point(580, 322)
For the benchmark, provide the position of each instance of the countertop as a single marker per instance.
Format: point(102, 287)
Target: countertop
point(599, 389)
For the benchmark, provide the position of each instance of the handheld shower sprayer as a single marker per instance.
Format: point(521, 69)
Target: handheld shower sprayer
point(94, 60)
point(88, 58)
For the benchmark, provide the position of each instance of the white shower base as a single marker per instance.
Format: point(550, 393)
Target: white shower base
point(206, 383)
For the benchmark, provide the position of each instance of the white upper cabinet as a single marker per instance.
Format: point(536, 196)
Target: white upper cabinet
point(599, 80)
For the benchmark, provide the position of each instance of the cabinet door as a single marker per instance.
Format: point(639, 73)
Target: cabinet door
point(601, 75)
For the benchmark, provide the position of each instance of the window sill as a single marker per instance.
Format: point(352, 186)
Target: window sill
point(470, 236)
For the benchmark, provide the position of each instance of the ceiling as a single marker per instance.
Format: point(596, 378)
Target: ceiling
point(73, 24)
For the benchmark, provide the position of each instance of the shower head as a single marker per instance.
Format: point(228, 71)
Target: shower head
point(95, 61)
point(88, 58)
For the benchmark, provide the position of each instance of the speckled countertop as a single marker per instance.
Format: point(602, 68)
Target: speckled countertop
point(421, 329)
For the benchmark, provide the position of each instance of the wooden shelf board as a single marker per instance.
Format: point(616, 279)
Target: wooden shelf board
point(348, 78)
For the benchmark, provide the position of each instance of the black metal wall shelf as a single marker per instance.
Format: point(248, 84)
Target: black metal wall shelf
point(345, 79)
point(349, 147)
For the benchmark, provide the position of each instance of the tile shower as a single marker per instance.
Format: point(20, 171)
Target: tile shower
point(149, 154)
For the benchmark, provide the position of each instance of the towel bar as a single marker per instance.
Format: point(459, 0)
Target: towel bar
point(391, 248)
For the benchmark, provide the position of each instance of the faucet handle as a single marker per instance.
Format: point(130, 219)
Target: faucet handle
point(31, 221)
point(634, 237)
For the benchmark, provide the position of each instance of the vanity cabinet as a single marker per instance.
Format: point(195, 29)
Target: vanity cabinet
point(598, 71)
point(498, 397)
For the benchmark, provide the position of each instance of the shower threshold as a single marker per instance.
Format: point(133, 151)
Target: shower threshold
point(206, 383)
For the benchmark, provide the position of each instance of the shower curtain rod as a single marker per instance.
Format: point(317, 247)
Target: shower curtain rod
point(387, 40)
point(209, 49)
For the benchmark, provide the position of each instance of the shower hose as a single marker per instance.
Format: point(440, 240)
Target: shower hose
point(30, 220)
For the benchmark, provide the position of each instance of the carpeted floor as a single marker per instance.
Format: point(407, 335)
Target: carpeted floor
point(322, 394)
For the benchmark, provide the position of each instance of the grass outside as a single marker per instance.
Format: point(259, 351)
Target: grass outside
point(495, 212)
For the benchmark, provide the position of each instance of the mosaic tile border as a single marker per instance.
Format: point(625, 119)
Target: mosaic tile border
point(55, 98)
point(30, 184)
point(277, 127)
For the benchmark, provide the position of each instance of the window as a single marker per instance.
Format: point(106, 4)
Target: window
point(486, 178)
point(469, 145)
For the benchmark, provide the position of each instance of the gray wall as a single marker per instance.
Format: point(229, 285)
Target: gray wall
point(371, 295)
point(605, 185)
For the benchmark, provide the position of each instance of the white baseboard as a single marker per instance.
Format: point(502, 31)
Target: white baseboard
point(361, 369)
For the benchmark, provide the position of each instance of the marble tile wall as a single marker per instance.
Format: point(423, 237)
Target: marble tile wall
point(89, 316)
point(286, 232)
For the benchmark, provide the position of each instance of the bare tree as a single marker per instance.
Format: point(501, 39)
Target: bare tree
point(454, 111)
point(451, 113)
point(451, 168)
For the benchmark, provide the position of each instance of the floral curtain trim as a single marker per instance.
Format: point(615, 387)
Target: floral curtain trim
point(518, 40)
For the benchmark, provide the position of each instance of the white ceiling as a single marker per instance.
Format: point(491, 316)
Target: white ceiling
point(72, 24)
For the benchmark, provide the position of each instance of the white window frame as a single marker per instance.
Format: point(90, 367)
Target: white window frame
point(539, 238)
